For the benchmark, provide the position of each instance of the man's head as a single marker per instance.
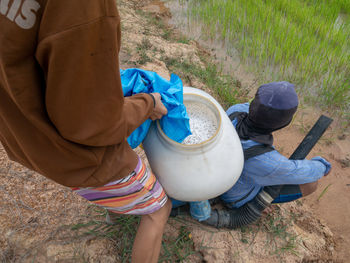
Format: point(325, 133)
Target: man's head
point(273, 106)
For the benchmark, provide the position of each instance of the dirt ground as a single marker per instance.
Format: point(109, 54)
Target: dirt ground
point(37, 215)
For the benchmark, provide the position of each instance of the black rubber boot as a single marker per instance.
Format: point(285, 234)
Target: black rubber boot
point(181, 210)
point(215, 201)
point(218, 219)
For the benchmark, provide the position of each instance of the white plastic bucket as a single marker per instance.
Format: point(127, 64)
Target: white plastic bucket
point(196, 172)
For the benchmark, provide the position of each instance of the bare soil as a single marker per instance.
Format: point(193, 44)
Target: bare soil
point(37, 215)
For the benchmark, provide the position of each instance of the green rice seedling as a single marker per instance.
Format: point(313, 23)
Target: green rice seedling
point(303, 41)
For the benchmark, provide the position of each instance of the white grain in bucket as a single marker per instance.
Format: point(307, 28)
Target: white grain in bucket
point(203, 122)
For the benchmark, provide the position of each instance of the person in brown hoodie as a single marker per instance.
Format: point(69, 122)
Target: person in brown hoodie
point(62, 110)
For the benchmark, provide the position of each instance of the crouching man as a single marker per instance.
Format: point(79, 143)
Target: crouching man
point(272, 109)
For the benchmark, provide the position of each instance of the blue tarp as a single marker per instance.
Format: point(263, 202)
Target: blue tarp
point(176, 123)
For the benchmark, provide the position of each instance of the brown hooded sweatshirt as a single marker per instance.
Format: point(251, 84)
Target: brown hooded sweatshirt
point(62, 110)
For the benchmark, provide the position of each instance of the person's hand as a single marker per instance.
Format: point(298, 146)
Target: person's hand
point(329, 170)
point(159, 109)
point(325, 162)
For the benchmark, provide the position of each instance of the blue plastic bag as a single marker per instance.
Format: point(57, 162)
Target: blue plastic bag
point(176, 123)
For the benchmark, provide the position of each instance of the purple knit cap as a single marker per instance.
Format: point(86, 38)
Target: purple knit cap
point(274, 105)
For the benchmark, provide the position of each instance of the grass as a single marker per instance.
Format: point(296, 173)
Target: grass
point(166, 31)
point(276, 226)
point(323, 192)
point(247, 231)
point(305, 42)
point(142, 48)
point(176, 247)
point(123, 232)
point(279, 239)
point(225, 87)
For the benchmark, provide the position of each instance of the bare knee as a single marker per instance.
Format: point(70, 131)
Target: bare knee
point(160, 217)
point(307, 189)
point(165, 210)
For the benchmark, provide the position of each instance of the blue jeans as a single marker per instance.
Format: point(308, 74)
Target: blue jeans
point(199, 210)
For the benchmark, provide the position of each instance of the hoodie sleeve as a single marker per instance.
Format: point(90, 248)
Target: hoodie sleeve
point(78, 53)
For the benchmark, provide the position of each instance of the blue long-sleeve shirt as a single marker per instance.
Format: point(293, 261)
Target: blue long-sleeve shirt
point(270, 168)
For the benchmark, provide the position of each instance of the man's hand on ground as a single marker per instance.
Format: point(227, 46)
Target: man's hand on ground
point(328, 167)
point(159, 109)
point(327, 173)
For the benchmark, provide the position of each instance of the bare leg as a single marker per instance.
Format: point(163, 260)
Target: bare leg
point(149, 235)
point(309, 188)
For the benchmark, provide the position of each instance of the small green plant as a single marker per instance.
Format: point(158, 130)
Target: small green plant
point(276, 226)
point(166, 34)
point(141, 48)
point(146, 44)
point(183, 39)
point(177, 249)
point(158, 22)
point(123, 231)
point(224, 86)
point(323, 192)
point(245, 232)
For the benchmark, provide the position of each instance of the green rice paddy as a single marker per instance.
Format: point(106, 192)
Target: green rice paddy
point(306, 42)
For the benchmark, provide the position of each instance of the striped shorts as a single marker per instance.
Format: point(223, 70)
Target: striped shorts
point(139, 193)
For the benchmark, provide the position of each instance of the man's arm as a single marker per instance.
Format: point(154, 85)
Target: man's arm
point(274, 169)
point(83, 96)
